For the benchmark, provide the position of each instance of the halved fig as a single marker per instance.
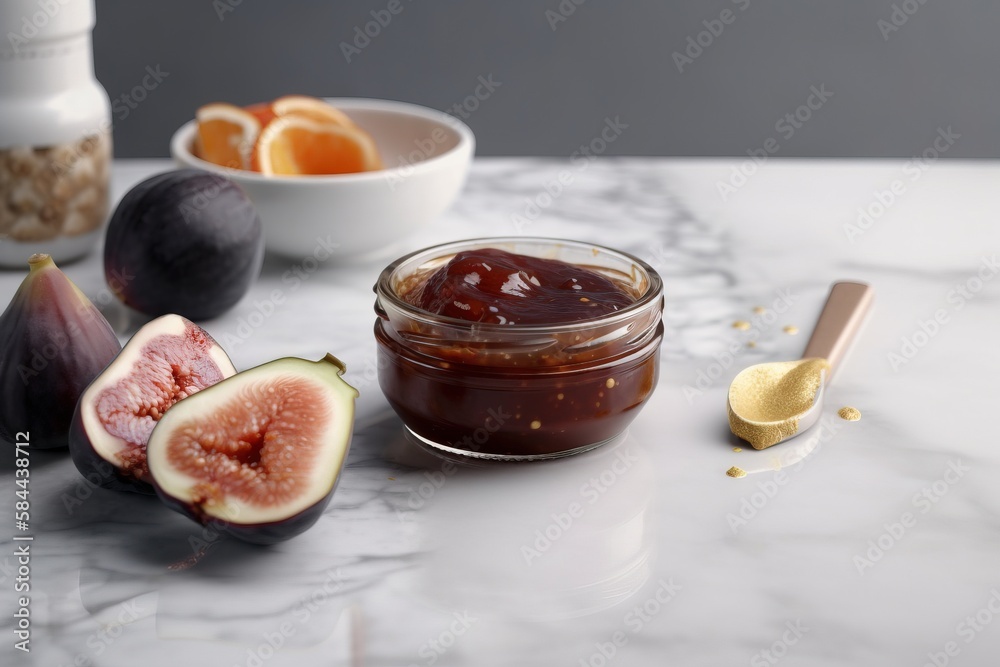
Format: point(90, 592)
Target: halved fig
point(259, 454)
point(168, 359)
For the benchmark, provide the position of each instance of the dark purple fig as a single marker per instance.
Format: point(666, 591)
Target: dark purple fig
point(186, 242)
point(167, 360)
point(54, 342)
point(257, 455)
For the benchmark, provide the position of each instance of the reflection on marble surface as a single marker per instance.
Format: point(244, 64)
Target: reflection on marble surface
point(565, 549)
point(866, 542)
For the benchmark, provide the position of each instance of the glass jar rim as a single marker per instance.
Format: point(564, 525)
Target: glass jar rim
point(384, 287)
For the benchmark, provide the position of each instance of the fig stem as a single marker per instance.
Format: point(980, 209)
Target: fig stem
point(40, 260)
point(336, 362)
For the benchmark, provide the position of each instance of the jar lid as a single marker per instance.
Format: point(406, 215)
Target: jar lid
point(24, 22)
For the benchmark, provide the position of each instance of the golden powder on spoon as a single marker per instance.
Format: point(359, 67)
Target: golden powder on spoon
point(849, 413)
point(766, 400)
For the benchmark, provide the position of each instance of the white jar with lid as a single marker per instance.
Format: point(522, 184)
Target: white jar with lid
point(55, 132)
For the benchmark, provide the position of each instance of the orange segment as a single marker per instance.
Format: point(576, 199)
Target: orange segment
point(262, 111)
point(292, 145)
point(310, 107)
point(226, 135)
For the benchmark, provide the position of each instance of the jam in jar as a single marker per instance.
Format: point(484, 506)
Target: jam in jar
point(518, 348)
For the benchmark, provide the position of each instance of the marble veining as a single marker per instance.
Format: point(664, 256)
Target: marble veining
point(863, 543)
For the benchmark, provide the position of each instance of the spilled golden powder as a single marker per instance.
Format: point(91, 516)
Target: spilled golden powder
point(849, 413)
point(737, 449)
point(736, 472)
point(760, 310)
point(742, 325)
point(765, 400)
point(751, 344)
point(790, 329)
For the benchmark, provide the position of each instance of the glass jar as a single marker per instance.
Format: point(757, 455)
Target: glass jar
point(519, 392)
point(55, 138)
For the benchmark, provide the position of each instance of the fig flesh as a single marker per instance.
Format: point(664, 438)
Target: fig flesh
point(186, 242)
point(54, 342)
point(258, 455)
point(168, 359)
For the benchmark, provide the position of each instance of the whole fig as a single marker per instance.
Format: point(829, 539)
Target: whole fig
point(55, 342)
point(186, 242)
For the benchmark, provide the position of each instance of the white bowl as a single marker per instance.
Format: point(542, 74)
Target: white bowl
point(354, 216)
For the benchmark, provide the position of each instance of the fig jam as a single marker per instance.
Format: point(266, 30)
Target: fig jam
point(498, 354)
point(496, 286)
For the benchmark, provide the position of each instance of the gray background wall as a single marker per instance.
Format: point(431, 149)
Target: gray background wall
point(892, 91)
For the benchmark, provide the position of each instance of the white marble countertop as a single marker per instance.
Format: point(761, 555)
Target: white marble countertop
point(876, 542)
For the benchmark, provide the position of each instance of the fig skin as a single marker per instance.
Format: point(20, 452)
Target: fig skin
point(264, 534)
point(55, 342)
point(94, 468)
point(173, 485)
point(187, 242)
point(91, 464)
